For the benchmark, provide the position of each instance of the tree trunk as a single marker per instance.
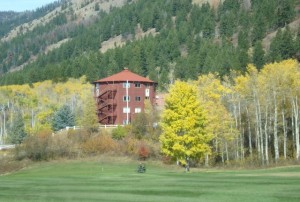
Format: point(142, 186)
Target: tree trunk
point(236, 126)
point(241, 133)
point(259, 128)
point(206, 160)
point(249, 133)
point(261, 134)
point(266, 137)
point(227, 154)
point(284, 133)
point(187, 166)
point(293, 132)
point(222, 154)
point(276, 148)
point(296, 119)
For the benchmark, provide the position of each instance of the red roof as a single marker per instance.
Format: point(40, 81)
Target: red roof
point(124, 75)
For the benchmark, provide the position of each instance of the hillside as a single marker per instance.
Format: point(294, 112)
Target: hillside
point(99, 37)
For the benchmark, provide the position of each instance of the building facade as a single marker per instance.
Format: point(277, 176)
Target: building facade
point(121, 96)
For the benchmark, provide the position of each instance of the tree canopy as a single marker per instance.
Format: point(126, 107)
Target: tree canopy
point(183, 123)
point(63, 118)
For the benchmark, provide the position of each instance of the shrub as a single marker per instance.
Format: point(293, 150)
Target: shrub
point(98, 144)
point(34, 148)
point(45, 146)
point(128, 146)
point(119, 133)
point(143, 152)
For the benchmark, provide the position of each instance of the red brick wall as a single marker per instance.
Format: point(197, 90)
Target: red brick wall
point(133, 92)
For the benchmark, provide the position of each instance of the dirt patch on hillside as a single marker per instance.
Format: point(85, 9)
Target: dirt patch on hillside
point(294, 26)
point(56, 45)
point(213, 3)
point(119, 41)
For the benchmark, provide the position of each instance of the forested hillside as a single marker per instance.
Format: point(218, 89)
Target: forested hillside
point(185, 39)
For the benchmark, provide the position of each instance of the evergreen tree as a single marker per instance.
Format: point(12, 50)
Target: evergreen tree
point(297, 45)
point(62, 118)
point(274, 52)
point(287, 48)
point(258, 55)
point(17, 133)
point(285, 12)
point(259, 28)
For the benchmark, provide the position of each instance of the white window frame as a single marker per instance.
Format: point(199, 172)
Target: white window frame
point(126, 110)
point(125, 84)
point(137, 110)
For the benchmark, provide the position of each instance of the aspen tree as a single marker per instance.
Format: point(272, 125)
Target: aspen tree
point(184, 136)
point(219, 120)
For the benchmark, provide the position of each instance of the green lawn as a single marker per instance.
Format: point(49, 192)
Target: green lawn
point(96, 181)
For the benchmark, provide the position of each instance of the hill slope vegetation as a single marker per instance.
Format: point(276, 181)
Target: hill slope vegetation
point(188, 38)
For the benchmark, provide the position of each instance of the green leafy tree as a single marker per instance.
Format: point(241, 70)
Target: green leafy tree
point(139, 125)
point(62, 118)
point(184, 134)
point(89, 118)
point(17, 133)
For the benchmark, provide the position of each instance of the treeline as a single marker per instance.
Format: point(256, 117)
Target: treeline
point(250, 119)
point(29, 109)
point(254, 116)
point(191, 40)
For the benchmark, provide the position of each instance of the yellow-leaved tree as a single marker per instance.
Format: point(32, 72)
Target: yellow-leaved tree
point(184, 134)
point(219, 120)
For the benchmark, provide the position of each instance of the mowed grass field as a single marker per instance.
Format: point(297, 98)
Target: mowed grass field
point(118, 181)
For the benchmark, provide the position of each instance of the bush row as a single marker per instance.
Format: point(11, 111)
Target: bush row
point(81, 143)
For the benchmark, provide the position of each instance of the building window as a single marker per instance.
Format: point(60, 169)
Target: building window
point(126, 85)
point(137, 98)
point(147, 92)
point(126, 110)
point(137, 110)
point(137, 85)
point(126, 98)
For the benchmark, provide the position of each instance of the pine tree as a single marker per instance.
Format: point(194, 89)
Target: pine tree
point(258, 55)
point(62, 118)
point(17, 133)
point(285, 12)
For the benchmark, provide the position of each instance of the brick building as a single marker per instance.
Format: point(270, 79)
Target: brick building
point(120, 96)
